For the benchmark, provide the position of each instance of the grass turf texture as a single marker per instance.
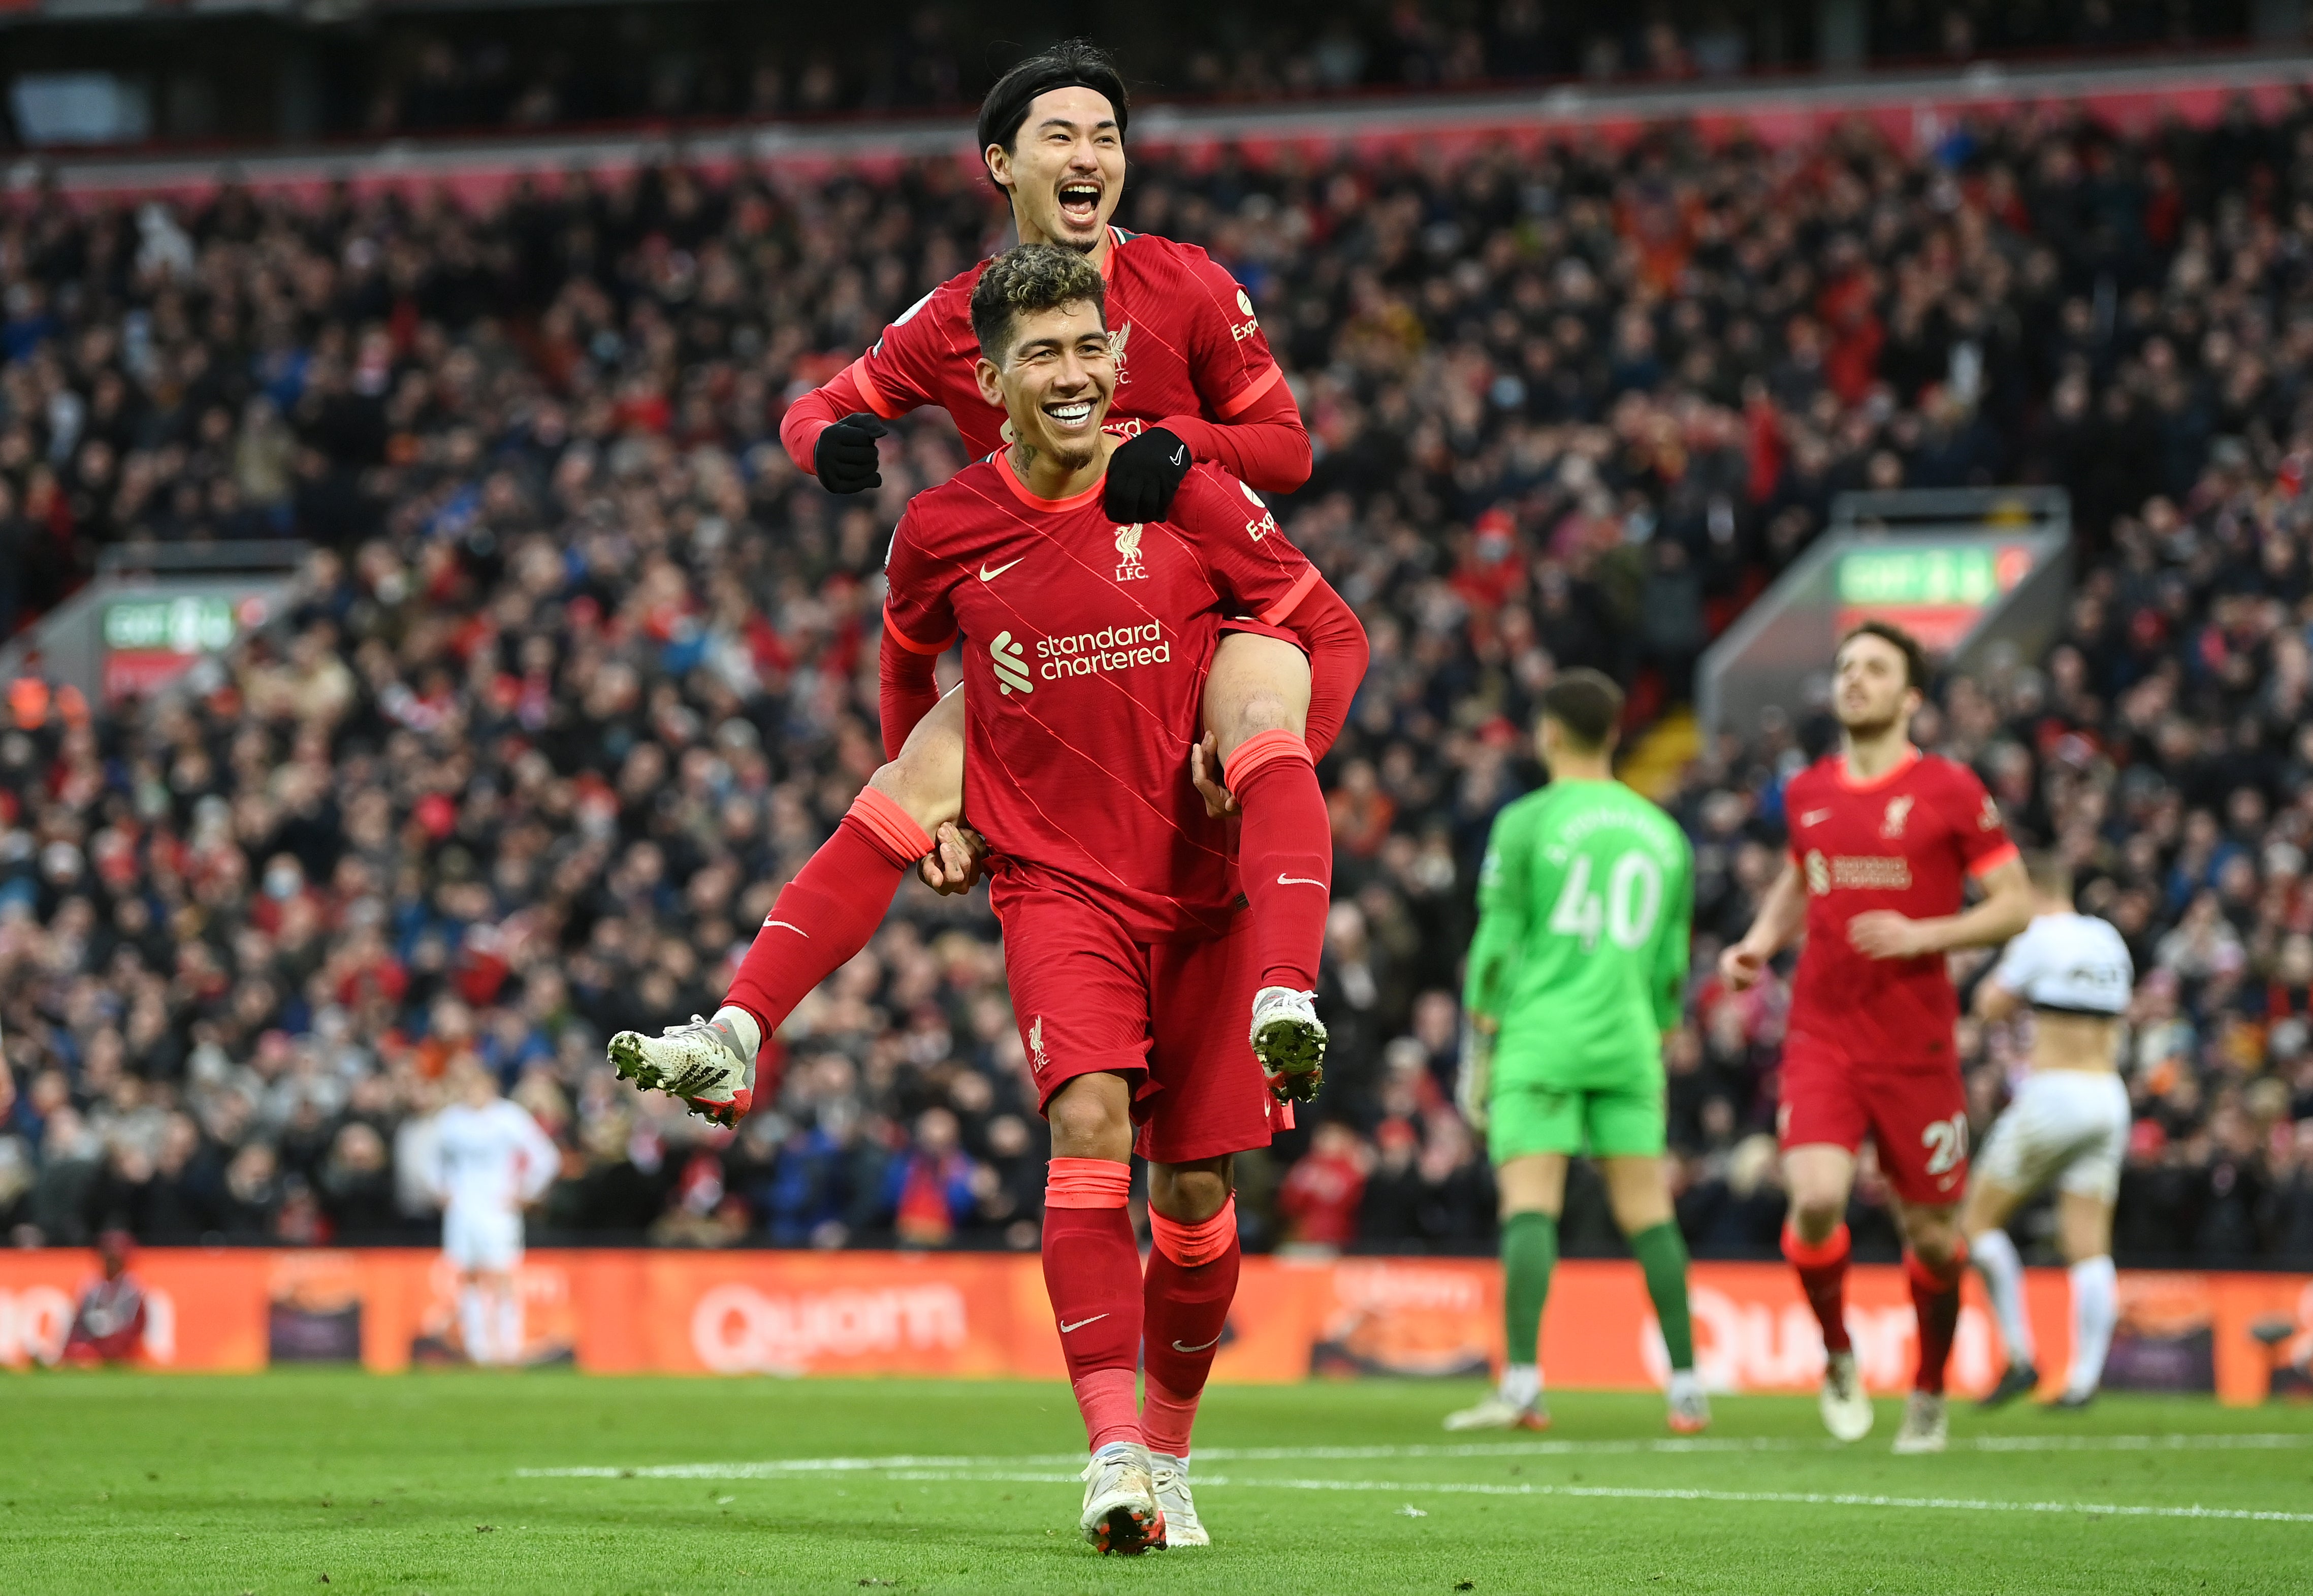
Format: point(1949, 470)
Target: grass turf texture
point(130, 1483)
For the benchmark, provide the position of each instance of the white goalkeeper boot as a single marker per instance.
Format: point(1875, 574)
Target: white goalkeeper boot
point(709, 1063)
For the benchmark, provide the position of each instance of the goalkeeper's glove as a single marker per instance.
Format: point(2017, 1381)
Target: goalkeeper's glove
point(1143, 475)
point(844, 458)
point(1475, 1084)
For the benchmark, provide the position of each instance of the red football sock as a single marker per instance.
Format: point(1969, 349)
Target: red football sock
point(1092, 1272)
point(826, 914)
point(1284, 853)
point(1935, 1297)
point(1821, 1266)
point(1193, 1273)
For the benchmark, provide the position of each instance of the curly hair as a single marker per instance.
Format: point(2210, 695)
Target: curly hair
point(1025, 279)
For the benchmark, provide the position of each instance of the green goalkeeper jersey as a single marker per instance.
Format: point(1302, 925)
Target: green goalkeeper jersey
point(1584, 905)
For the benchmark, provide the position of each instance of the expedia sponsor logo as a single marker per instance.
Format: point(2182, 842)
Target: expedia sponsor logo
point(1097, 653)
point(1267, 524)
point(1251, 325)
point(1011, 667)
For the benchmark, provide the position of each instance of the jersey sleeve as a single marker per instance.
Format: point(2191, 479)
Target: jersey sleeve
point(541, 1160)
point(900, 371)
point(918, 607)
point(1250, 561)
point(1505, 886)
point(2020, 962)
point(1674, 945)
point(1230, 359)
point(1981, 839)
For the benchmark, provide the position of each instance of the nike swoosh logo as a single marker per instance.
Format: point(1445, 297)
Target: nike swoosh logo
point(1207, 1347)
point(783, 925)
point(1080, 1324)
point(1812, 816)
point(1180, 455)
point(1284, 880)
point(990, 576)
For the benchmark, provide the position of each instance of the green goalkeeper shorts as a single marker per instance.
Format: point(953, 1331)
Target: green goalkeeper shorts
point(1522, 1120)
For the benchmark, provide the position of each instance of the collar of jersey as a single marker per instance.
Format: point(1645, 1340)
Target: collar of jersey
point(1049, 506)
point(1854, 784)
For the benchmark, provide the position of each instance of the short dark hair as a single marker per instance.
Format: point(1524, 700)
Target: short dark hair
point(1027, 278)
point(1588, 704)
point(1917, 673)
point(1071, 64)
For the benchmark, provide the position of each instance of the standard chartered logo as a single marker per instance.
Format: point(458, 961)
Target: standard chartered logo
point(1011, 669)
point(1076, 654)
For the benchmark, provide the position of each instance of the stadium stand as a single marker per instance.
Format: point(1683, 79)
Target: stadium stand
point(584, 667)
point(151, 72)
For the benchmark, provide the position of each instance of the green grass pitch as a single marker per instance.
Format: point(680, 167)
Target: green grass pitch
point(562, 1482)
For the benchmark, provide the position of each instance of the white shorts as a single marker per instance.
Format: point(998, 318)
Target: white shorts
point(482, 1238)
point(2066, 1125)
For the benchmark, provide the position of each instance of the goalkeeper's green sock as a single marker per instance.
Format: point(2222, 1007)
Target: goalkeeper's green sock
point(1661, 1252)
point(1529, 1253)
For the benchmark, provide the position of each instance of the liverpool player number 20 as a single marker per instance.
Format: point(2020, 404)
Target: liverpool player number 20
point(1883, 840)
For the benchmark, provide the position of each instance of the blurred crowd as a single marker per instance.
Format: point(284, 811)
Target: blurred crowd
point(708, 61)
point(583, 667)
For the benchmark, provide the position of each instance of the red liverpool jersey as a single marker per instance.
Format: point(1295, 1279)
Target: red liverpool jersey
point(1084, 651)
point(1906, 841)
point(1183, 333)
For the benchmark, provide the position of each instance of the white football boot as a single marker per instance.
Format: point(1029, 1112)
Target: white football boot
point(1182, 1525)
point(1121, 1515)
point(1289, 1041)
point(1494, 1411)
point(1925, 1428)
point(706, 1063)
point(1688, 1410)
point(1846, 1406)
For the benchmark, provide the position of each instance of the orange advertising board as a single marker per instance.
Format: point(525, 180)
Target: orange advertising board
point(964, 1315)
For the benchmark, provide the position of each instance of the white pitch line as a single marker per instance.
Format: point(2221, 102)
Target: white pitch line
point(1665, 1493)
point(782, 1468)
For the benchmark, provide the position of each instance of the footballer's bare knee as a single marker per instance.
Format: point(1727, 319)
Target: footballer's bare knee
point(927, 778)
point(1256, 684)
point(1091, 1118)
point(1193, 1192)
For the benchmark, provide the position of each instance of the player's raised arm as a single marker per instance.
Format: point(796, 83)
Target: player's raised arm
point(918, 627)
point(831, 431)
point(1249, 425)
point(1782, 914)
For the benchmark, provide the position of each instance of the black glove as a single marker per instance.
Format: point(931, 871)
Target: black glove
point(844, 458)
point(1143, 475)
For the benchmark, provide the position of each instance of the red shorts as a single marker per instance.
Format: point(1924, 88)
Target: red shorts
point(1170, 1017)
point(1916, 1117)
